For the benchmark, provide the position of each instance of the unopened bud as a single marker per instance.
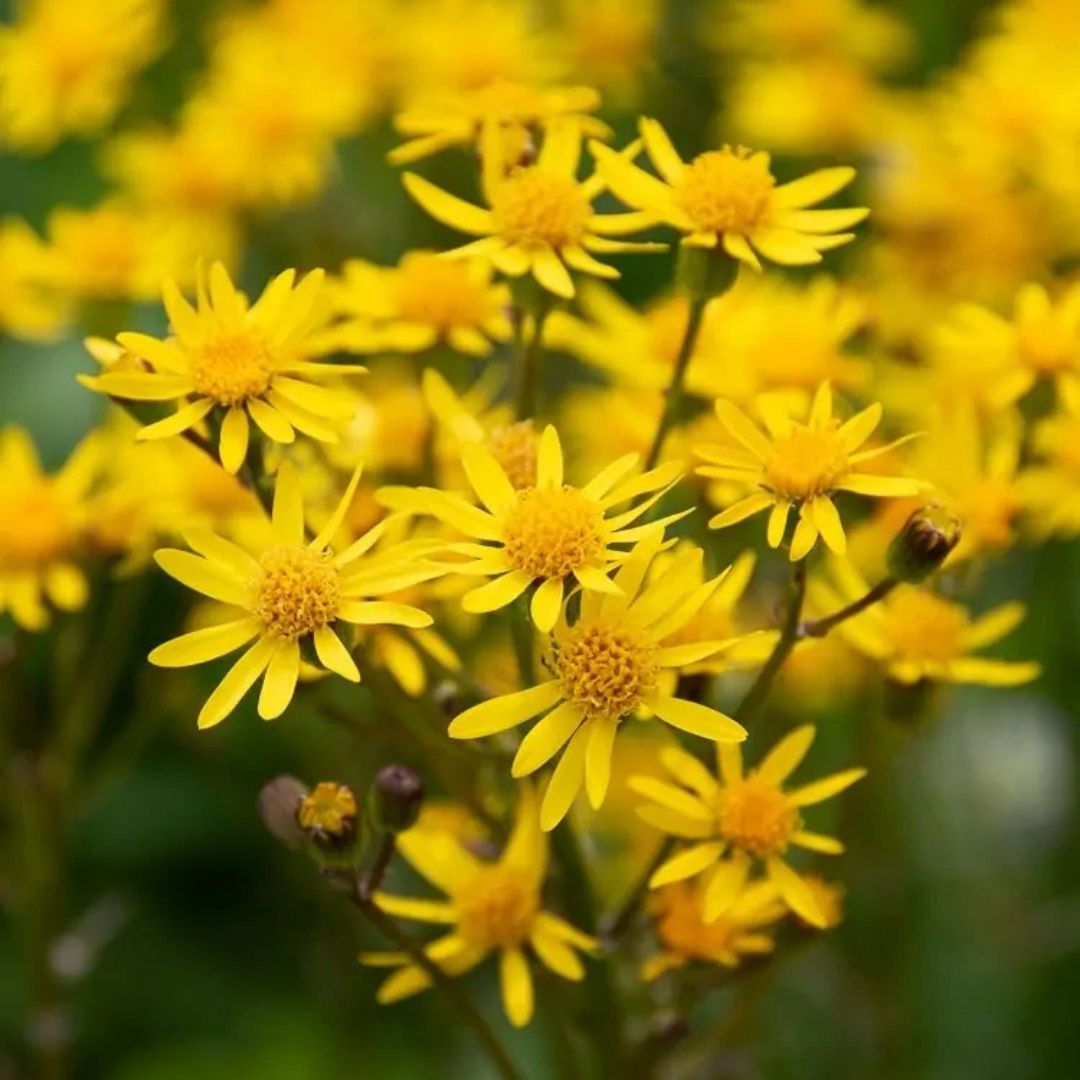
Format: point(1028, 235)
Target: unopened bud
point(923, 543)
point(279, 804)
point(395, 798)
point(328, 815)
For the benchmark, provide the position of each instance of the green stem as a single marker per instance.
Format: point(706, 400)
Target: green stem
point(818, 628)
point(528, 357)
point(450, 990)
point(621, 920)
point(673, 397)
point(789, 636)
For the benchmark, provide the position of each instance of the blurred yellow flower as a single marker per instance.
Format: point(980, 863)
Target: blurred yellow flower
point(490, 907)
point(41, 521)
point(741, 818)
point(729, 198)
point(66, 66)
point(31, 306)
point(1051, 487)
point(423, 302)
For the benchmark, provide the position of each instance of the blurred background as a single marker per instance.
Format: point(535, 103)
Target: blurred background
point(193, 945)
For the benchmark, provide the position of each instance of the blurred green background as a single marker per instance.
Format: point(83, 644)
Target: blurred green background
point(197, 947)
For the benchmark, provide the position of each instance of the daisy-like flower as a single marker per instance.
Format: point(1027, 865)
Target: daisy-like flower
point(729, 198)
point(550, 534)
point(607, 666)
point(686, 937)
point(799, 466)
point(249, 361)
point(289, 593)
point(422, 302)
point(439, 123)
point(41, 522)
point(739, 819)
point(539, 218)
point(489, 907)
point(917, 634)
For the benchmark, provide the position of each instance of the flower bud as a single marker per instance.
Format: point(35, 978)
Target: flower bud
point(279, 804)
point(923, 543)
point(394, 799)
point(327, 816)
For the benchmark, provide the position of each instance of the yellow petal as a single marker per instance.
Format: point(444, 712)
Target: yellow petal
point(237, 682)
point(826, 788)
point(449, 209)
point(498, 593)
point(233, 445)
point(565, 781)
point(725, 885)
point(557, 956)
point(598, 760)
point(288, 510)
point(813, 188)
point(785, 757)
point(795, 892)
point(515, 981)
point(688, 863)
point(203, 576)
point(828, 524)
point(488, 479)
point(661, 151)
point(547, 604)
point(506, 711)
point(744, 508)
point(334, 656)
point(279, 682)
point(697, 719)
point(545, 739)
point(202, 645)
point(382, 613)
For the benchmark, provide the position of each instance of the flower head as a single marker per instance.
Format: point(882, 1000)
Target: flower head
point(730, 198)
point(423, 302)
point(687, 937)
point(799, 465)
point(238, 361)
point(491, 907)
point(607, 666)
point(551, 533)
point(289, 592)
point(539, 218)
point(919, 635)
point(41, 521)
point(741, 818)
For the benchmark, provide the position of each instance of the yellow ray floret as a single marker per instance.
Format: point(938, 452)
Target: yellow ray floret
point(729, 198)
point(740, 818)
point(551, 534)
point(238, 360)
point(539, 218)
point(489, 907)
point(799, 465)
point(288, 593)
point(607, 667)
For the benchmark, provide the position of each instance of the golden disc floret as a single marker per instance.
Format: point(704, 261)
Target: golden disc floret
point(552, 532)
point(298, 592)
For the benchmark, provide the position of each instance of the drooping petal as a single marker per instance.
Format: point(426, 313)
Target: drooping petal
point(333, 655)
point(515, 981)
point(545, 739)
point(507, 711)
point(565, 781)
point(237, 682)
point(202, 645)
point(598, 760)
point(687, 863)
point(279, 682)
point(233, 445)
point(697, 719)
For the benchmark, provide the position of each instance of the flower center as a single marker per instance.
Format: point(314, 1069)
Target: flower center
point(535, 207)
point(553, 531)
point(726, 190)
point(298, 592)
point(497, 908)
point(329, 808)
point(606, 669)
point(514, 448)
point(684, 932)
point(806, 462)
point(440, 293)
point(35, 527)
point(922, 626)
point(757, 817)
point(231, 368)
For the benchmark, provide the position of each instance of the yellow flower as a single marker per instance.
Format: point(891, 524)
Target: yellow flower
point(1042, 340)
point(247, 360)
point(66, 66)
point(686, 937)
point(30, 305)
point(739, 819)
point(489, 907)
point(289, 592)
point(799, 465)
point(607, 667)
point(552, 533)
point(918, 635)
point(435, 124)
point(41, 519)
point(539, 218)
point(1051, 487)
point(424, 301)
point(729, 197)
